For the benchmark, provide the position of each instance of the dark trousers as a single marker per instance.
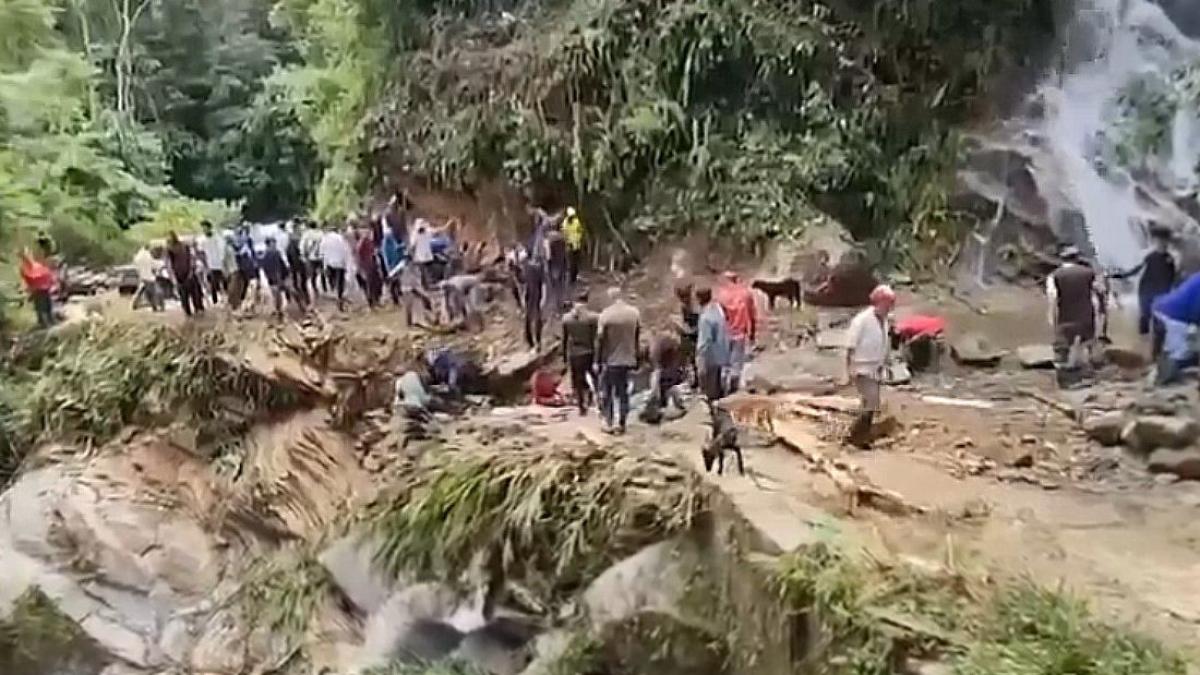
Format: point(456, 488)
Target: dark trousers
point(216, 284)
point(299, 273)
point(533, 322)
point(1148, 324)
point(191, 296)
point(580, 366)
point(316, 273)
point(237, 289)
point(614, 388)
point(335, 277)
point(712, 382)
point(574, 260)
point(43, 306)
point(372, 287)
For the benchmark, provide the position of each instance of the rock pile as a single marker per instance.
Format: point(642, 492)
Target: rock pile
point(1160, 428)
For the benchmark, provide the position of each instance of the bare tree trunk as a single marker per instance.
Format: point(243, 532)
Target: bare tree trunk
point(128, 15)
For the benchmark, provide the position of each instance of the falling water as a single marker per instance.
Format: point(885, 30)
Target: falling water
point(1109, 45)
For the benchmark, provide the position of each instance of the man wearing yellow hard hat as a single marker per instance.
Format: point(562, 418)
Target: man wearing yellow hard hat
point(574, 233)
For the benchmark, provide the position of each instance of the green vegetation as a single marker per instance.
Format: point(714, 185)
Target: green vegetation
point(873, 617)
point(284, 591)
point(37, 638)
point(85, 383)
point(555, 518)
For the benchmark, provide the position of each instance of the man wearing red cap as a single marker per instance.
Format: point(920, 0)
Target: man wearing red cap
point(866, 357)
point(741, 317)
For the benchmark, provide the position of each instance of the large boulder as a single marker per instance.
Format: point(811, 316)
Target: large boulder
point(1149, 432)
point(1183, 463)
point(350, 563)
point(849, 283)
point(1036, 356)
point(1105, 429)
point(973, 349)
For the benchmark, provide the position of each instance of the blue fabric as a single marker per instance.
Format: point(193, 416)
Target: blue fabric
point(1183, 303)
point(393, 251)
point(440, 244)
point(712, 338)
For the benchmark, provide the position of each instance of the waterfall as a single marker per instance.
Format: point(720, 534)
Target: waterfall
point(1082, 140)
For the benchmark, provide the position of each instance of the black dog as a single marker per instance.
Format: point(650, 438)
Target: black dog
point(724, 439)
point(788, 289)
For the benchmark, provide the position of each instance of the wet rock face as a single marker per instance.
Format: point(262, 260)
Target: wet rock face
point(1185, 14)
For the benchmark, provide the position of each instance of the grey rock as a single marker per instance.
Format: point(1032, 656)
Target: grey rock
point(898, 373)
point(973, 349)
point(1123, 357)
point(1149, 432)
point(1036, 356)
point(1105, 429)
point(350, 563)
point(1182, 463)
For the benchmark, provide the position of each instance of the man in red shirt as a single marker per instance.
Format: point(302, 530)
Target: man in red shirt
point(741, 317)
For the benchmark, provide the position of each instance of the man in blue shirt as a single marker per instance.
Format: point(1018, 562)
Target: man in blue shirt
point(712, 346)
point(1179, 312)
point(394, 253)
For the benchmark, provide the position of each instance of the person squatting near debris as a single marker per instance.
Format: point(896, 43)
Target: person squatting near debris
point(575, 235)
point(741, 316)
point(150, 268)
point(919, 338)
point(183, 270)
point(1159, 274)
point(464, 302)
point(617, 336)
point(866, 358)
point(1179, 312)
point(665, 377)
point(335, 257)
point(580, 327)
point(533, 284)
point(712, 346)
point(212, 252)
point(1075, 297)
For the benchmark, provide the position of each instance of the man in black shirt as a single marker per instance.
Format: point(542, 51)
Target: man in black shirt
point(579, 349)
point(182, 262)
point(1159, 275)
point(276, 271)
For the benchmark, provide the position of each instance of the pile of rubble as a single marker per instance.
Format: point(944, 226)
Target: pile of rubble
point(1160, 428)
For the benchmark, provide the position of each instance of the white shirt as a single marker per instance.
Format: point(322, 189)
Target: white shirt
point(335, 252)
point(213, 248)
point(146, 265)
point(867, 340)
point(422, 243)
point(310, 244)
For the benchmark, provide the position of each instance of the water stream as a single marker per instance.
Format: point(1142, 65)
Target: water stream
point(1109, 48)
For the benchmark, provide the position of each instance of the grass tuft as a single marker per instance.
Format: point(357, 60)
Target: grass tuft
point(873, 617)
point(555, 517)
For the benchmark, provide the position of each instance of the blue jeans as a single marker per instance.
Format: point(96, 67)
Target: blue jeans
point(43, 306)
point(738, 354)
point(1177, 342)
point(614, 390)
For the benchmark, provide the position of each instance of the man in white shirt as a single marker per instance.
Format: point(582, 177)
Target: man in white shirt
point(866, 358)
point(335, 256)
point(149, 269)
point(310, 248)
point(422, 250)
point(212, 250)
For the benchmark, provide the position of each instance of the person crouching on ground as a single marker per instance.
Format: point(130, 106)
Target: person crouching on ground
point(1179, 312)
point(579, 328)
point(866, 357)
point(617, 337)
